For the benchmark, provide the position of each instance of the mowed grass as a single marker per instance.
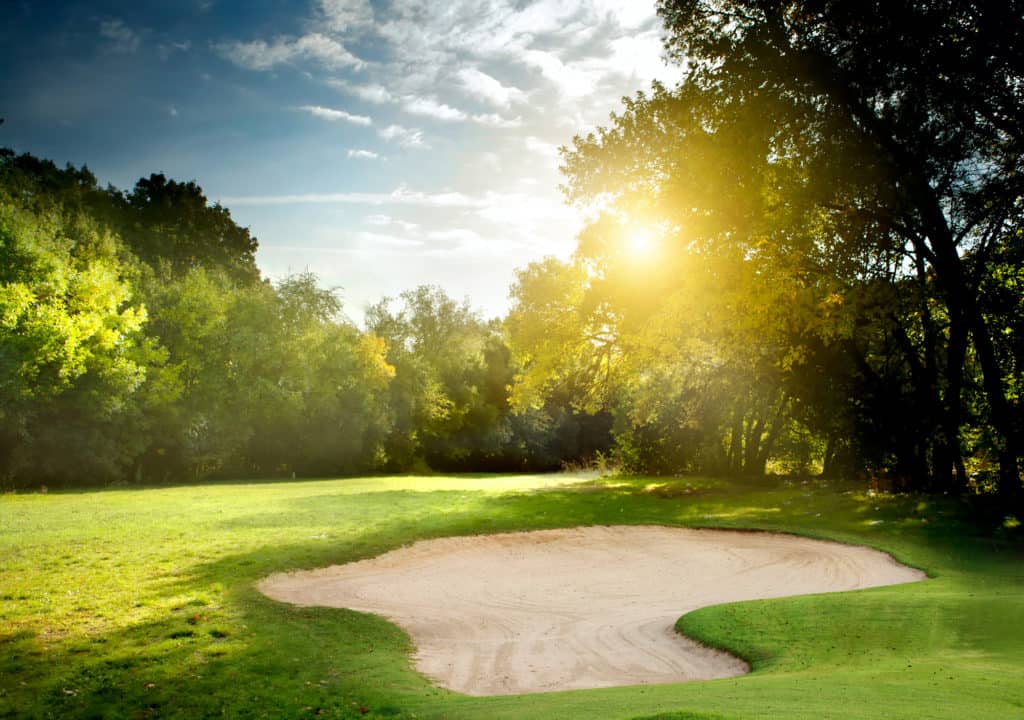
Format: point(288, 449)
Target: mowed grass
point(141, 603)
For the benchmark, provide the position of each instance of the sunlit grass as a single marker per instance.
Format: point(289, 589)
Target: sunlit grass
point(140, 603)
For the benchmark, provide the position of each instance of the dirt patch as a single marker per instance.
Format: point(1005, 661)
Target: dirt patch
point(579, 608)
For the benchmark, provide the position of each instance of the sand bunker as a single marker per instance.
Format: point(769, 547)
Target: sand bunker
point(579, 608)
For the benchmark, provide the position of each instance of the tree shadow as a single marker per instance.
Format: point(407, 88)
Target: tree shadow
point(249, 656)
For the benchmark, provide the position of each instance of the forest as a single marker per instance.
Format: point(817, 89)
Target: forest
point(805, 258)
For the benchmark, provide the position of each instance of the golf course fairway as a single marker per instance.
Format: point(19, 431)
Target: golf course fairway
point(144, 603)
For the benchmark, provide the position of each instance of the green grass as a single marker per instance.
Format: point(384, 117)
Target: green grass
point(140, 603)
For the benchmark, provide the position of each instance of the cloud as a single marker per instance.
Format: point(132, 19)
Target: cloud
point(315, 46)
point(502, 84)
point(377, 94)
point(491, 160)
point(455, 236)
point(497, 121)
point(536, 145)
point(572, 80)
point(638, 55)
point(165, 50)
point(401, 195)
point(344, 15)
point(386, 220)
point(122, 38)
point(406, 137)
point(336, 115)
point(432, 108)
point(369, 240)
point(363, 154)
point(484, 87)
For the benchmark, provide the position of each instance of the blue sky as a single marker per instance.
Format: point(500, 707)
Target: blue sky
point(381, 145)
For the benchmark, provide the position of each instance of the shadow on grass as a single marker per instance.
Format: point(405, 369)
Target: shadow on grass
point(250, 657)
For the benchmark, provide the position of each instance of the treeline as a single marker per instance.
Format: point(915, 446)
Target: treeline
point(832, 201)
point(138, 343)
point(808, 257)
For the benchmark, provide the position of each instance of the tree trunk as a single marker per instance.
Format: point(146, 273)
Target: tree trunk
point(752, 447)
point(960, 298)
point(947, 441)
point(736, 444)
point(1010, 486)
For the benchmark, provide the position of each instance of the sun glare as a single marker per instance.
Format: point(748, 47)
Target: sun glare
point(641, 241)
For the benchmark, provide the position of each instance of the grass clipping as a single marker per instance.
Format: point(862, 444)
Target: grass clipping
point(579, 608)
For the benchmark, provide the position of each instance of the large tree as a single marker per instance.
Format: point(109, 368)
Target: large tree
point(835, 146)
point(76, 371)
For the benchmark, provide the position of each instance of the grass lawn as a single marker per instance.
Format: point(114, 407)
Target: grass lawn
point(140, 603)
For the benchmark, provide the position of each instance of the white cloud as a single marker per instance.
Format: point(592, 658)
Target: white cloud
point(363, 154)
point(122, 38)
point(629, 14)
point(484, 87)
point(540, 147)
point(406, 137)
point(432, 108)
point(454, 237)
point(572, 80)
point(639, 55)
point(372, 240)
point(491, 160)
point(377, 94)
point(401, 195)
point(343, 15)
point(528, 211)
point(336, 115)
point(497, 121)
point(261, 55)
point(387, 220)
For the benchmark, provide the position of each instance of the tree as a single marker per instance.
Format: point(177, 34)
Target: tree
point(834, 146)
point(172, 223)
point(447, 401)
point(73, 359)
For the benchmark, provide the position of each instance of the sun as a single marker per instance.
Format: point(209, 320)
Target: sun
point(640, 241)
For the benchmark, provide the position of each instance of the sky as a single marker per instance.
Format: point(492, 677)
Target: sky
point(381, 144)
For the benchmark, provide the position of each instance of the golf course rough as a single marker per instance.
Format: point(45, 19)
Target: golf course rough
point(584, 607)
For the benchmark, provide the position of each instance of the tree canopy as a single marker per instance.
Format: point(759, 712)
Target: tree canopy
point(833, 187)
point(138, 344)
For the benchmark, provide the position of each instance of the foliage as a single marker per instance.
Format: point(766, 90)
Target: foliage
point(449, 402)
point(72, 355)
point(835, 192)
point(139, 344)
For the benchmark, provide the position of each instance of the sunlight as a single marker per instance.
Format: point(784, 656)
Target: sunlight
point(641, 241)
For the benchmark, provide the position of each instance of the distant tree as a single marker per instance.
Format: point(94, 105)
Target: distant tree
point(323, 410)
point(439, 398)
point(170, 223)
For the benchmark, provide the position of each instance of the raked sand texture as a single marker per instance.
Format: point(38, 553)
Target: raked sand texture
point(579, 608)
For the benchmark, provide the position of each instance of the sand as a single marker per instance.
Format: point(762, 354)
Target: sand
point(579, 608)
